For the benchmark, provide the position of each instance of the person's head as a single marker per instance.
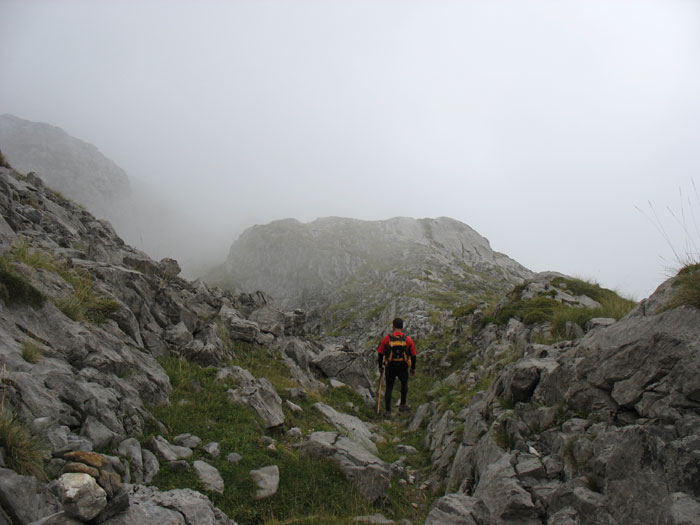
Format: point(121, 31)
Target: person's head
point(397, 323)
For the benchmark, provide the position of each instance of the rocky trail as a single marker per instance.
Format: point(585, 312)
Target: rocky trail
point(132, 396)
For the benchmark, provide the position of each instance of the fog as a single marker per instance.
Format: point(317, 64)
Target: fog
point(544, 125)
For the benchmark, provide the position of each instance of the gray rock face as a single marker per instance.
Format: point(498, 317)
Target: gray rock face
point(598, 430)
point(305, 264)
point(267, 480)
point(371, 475)
point(73, 167)
point(177, 507)
point(24, 499)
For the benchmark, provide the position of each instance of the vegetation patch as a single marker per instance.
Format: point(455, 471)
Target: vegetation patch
point(311, 490)
point(687, 284)
point(15, 289)
point(545, 309)
point(31, 352)
point(23, 450)
point(84, 304)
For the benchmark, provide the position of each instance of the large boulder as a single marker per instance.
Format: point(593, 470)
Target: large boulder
point(370, 475)
point(261, 396)
point(350, 426)
point(349, 367)
point(81, 496)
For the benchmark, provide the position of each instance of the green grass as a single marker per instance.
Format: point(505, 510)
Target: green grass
point(84, 304)
point(31, 352)
point(545, 309)
point(687, 285)
point(311, 490)
point(23, 450)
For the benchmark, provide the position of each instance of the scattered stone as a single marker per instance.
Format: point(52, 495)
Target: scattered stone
point(267, 479)
point(293, 406)
point(209, 476)
point(336, 384)
point(213, 449)
point(234, 457)
point(160, 446)
point(294, 433)
point(406, 449)
point(187, 440)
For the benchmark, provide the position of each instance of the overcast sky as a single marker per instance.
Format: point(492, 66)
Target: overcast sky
point(541, 124)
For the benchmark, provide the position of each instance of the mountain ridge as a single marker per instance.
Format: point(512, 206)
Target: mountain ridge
point(323, 262)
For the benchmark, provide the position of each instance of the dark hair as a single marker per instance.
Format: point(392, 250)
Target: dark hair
point(398, 323)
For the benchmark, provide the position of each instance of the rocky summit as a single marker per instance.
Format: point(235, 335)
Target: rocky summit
point(362, 272)
point(129, 395)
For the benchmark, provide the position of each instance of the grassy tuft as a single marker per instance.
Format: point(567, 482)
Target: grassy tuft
point(687, 284)
point(24, 451)
point(84, 304)
point(31, 352)
point(545, 309)
point(14, 289)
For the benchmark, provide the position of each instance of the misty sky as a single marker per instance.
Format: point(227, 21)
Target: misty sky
point(541, 124)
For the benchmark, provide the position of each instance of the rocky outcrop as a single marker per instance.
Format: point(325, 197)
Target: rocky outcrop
point(601, 429)
point(84, 319)
point(357, 275)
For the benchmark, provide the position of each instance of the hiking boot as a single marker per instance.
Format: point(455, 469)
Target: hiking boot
point(404, 408)
point(387, 414)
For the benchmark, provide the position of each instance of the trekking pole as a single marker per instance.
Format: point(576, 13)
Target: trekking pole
point(379, 396)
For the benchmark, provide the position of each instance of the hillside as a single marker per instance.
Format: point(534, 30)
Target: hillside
point(75, 168)
point(360, 274)
point(133, 396)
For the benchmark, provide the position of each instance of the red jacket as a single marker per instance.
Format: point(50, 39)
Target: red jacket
point(410, 346)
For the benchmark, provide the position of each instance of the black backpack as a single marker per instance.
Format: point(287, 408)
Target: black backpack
point(398, 349)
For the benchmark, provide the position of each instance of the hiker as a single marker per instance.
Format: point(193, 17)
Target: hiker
point(396, 353)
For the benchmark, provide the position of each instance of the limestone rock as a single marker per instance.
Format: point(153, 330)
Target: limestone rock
point(371, 475)
point(81, 496)
point(177, 507)
point(160, 446)
point(350, 426)
point(24, 499)
point(267, 479)
point(348, 367)
point(458, 509)
point(187, 440)
point(209, 476)
point(261, 396)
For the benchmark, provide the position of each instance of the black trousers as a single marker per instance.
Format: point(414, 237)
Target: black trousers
point(393, 371)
